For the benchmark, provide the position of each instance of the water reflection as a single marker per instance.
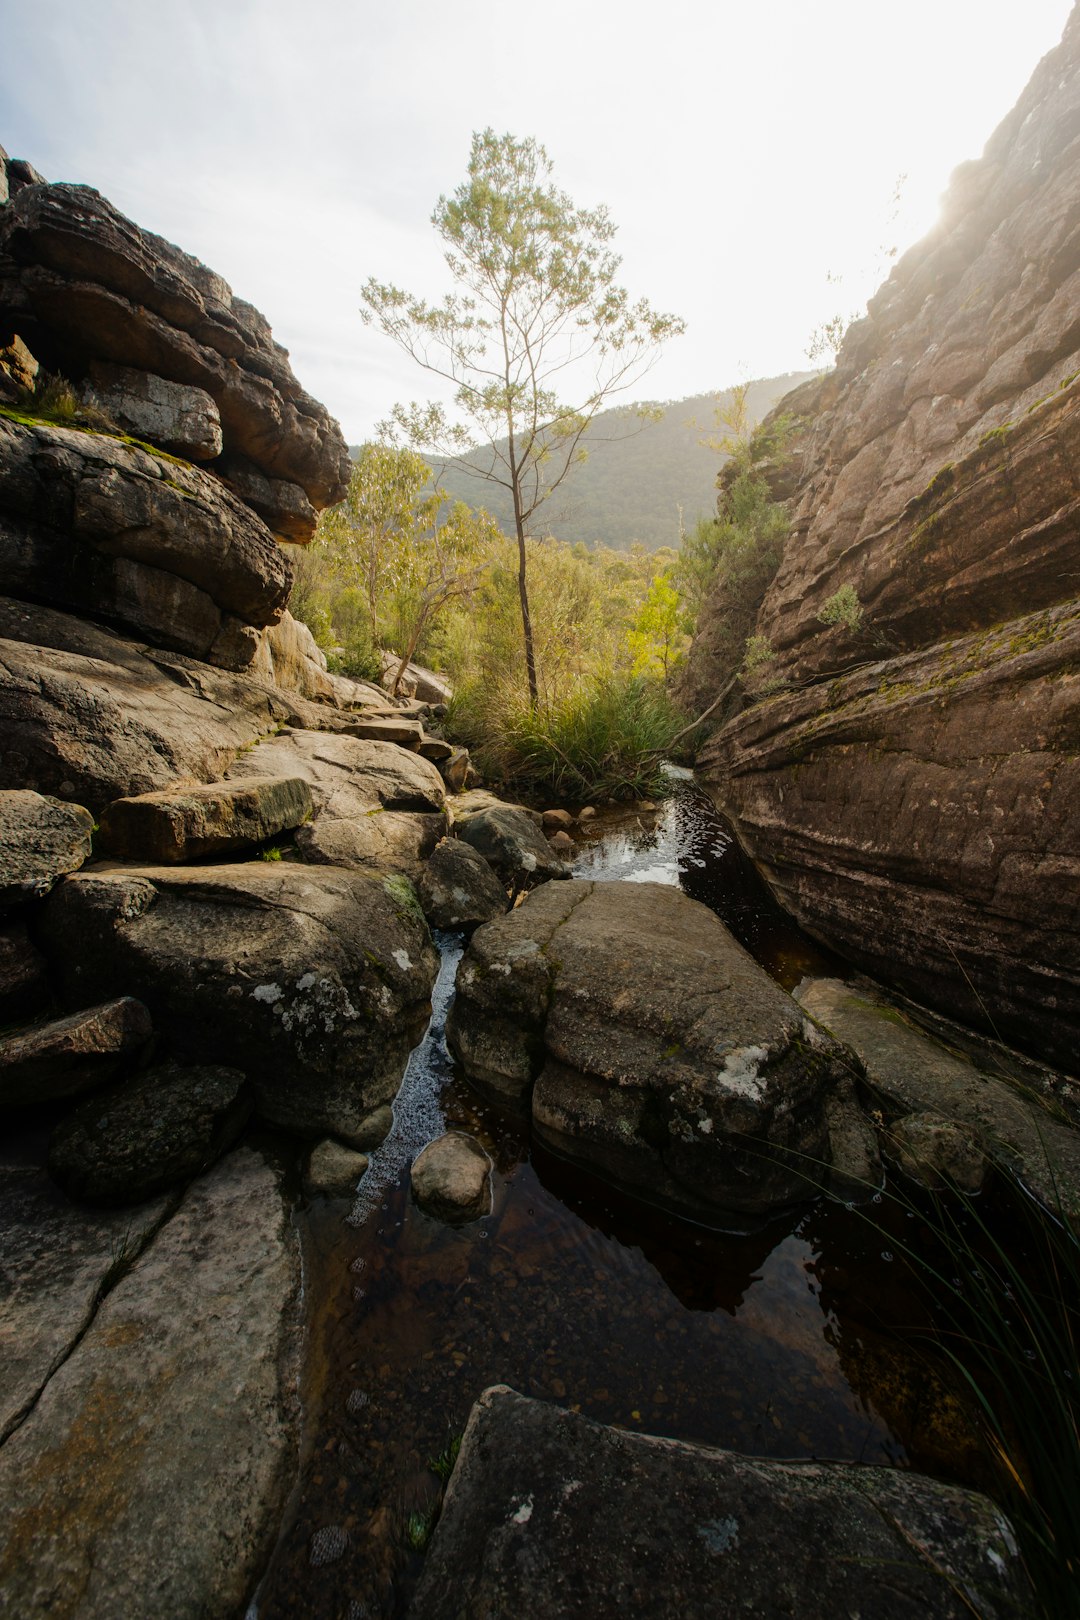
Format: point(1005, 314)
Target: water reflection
point(776, 1343)
point(686, 841)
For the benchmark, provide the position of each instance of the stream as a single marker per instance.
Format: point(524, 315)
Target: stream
point(780, 1343)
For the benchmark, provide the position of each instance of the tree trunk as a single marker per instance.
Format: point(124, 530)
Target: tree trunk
point(523, 593)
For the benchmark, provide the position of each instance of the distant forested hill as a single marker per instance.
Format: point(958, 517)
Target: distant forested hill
point(633, 488)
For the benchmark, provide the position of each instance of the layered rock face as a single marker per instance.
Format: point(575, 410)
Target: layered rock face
point(82, 286)
point(161, 516)
point(916, 799)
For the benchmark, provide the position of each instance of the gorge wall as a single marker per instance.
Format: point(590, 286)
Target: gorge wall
point(912, 790)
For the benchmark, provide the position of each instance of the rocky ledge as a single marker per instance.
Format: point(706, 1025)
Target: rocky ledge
point(553, 1516)
point(650, 1047)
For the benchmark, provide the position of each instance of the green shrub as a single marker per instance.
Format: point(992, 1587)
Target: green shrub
point(605, 739)
point(842, 608)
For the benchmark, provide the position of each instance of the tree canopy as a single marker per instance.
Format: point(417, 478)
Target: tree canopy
point(536, 338)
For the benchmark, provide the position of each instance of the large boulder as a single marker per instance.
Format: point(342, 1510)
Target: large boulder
point(655, 1050)
point(41, 839)
point(83, 283)
point(96, 525)
point(551, 1515)
point(150, 1475)
point(458, 889)
point(88, 715)
point(216, 818)
point(182, 420)
point(914, 798)
point(149, 1133)
point(375, 805)
point(314, 981)
point(511, 842)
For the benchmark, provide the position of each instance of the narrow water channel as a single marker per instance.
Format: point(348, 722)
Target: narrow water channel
point(777, 1344)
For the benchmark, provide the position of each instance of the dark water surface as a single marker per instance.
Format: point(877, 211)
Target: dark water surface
point(781, 1343)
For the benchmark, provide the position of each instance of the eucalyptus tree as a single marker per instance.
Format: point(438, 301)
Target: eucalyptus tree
point(535, 337)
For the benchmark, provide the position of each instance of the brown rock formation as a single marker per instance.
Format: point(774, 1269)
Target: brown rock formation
point(81, 285)
point(917, 800)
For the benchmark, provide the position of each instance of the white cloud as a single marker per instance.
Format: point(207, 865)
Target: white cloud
point(745, 152)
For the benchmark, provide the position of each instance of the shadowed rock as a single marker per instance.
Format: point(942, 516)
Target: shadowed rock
point(511, 842)
point(458, 889)
point(149, 1133)
point(90, 523)
point(314, 981)
point(100, 289)
point(72, 1054)
point(451, 1179)
point(150, 1476)
point(551, 1515)
point(40, 839)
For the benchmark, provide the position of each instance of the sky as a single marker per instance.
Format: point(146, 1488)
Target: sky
point(748, 153)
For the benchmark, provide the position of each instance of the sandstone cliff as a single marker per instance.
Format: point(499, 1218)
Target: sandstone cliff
point(913, 796)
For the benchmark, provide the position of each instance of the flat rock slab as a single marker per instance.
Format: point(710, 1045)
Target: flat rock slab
point(458, 889)
point(553, 1516)
point(406, 733)
point(149, 1477)
point(376, 805)
point(72, 1054)
point(149, 1133)
point(316, 982)
point(915, 1074)
point(56, 1261)
point(663, 1056)
point(41, 838)
point(216, 818)
point(451, 1179)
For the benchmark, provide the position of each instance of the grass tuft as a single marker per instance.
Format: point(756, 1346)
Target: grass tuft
point(605, 739)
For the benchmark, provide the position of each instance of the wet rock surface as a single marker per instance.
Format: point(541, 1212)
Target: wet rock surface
point(655, 1049)
point(148, 1134)
point(215, 819)
point(41, 838)
point(73, 1054)
point(912, 1073)
point(149, 1474)
point(458, 889)
point(315, 982)
point(551, 1515)
point(451, 1179)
